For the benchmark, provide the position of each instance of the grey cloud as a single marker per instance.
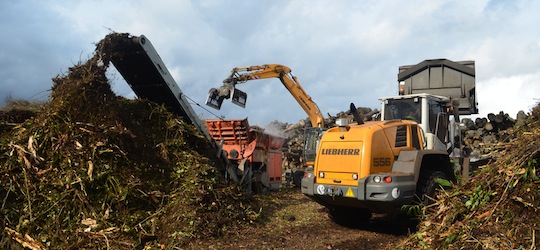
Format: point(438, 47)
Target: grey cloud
point(342, 52)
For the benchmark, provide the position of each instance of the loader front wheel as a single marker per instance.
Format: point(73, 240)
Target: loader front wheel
point(428, 186)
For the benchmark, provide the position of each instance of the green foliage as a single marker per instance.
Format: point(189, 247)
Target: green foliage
point(421, 241)
point(530, 173)
point(414, 210)
point(479, 198)
point(451, 238)
point(444, 183)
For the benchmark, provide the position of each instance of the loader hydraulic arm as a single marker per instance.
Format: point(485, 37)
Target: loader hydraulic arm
point(247, 73)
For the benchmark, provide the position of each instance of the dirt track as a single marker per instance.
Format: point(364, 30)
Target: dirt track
point(296, 222)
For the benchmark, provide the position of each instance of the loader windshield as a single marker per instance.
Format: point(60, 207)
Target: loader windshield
point(404, 109)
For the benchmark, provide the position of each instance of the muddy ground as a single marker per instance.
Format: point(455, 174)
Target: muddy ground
point(293, 221)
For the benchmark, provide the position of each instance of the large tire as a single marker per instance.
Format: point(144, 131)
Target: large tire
point(428, 186)
point(349, 216)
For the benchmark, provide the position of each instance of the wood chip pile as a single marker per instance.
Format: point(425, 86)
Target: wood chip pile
point(92, 170)
point(498, 208)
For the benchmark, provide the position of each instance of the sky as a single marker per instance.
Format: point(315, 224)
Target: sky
point(340, 51)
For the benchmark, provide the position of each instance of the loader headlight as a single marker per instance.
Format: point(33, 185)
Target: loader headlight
point(355, 176)
point(377, 179)
point(320, 190)
point(321, 174)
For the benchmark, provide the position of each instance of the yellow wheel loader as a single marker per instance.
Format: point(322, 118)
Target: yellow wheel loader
point(380, 166)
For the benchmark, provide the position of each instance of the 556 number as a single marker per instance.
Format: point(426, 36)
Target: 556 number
point(381, 162)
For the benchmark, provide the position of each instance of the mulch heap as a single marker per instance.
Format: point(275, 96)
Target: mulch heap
point(498, 208)
point(17, 111)
point(93, 170)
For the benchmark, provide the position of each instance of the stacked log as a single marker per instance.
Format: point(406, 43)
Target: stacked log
point(484, 137)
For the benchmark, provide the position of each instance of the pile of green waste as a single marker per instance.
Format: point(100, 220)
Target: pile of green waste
point(17, 111)
point(97, 171)
point(498, 208)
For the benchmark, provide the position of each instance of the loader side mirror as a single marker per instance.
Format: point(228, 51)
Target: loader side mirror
point(356, 115)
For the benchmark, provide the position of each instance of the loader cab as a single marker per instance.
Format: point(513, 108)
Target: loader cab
point(429, 111)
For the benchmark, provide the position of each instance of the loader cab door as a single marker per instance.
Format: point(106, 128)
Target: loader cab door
point(437, 127)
